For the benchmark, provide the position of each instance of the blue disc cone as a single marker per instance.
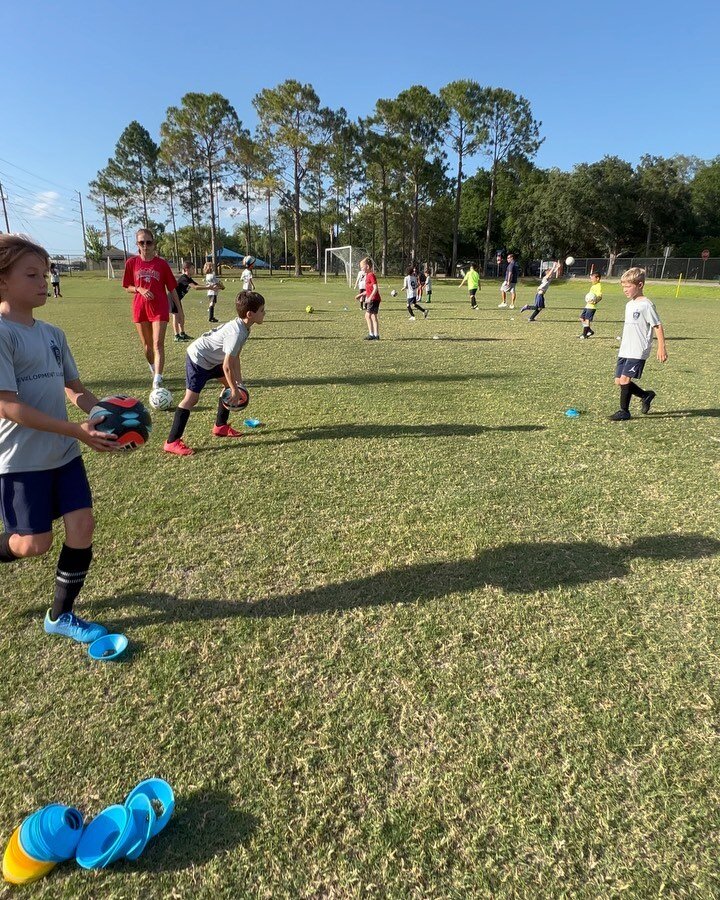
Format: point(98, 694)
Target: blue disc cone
point(161, 795)
point(143, 816)
point(52, 833)
point(101, 837)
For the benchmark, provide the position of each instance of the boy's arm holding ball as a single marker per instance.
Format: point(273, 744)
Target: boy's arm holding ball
point(29, 417)
point(233, 376)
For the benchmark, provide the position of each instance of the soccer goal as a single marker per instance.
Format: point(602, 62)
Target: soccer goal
point(345, 261)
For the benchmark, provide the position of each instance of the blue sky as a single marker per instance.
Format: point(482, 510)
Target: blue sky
point(622, 78)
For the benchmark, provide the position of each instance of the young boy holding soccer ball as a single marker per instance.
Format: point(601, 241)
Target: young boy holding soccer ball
point(42, 476)
point(214, 285)
point(216, 355)
point(641, 320)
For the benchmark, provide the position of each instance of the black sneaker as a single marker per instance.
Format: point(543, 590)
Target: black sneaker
point(426, 313)
point(369, 337)
point(647, 400)
point(591, 333)
point(620, 416)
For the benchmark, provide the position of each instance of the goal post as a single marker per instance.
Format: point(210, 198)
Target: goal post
point(345, 260)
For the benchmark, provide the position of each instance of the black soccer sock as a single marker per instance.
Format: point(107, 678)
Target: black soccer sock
point(6, 554)
point(180, 420)
point(625, 395)
point(410, 310)
point(421, 308)
point(72, 568)
point(636, 390)
point(535, 314)
point(586, 330)
point(211, 312)
point(223, 415)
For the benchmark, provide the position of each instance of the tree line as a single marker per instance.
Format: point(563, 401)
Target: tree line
point(442, 177)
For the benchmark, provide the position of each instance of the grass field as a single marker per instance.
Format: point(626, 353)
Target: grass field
point(420, 636)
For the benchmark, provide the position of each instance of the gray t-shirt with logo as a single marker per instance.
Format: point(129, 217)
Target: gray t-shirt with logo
point(35, 364)
point(211, 348)
point(640, 319)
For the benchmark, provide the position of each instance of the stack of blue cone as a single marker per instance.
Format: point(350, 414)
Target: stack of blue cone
point(55, 833)
point(48, 836)
point(123, 831)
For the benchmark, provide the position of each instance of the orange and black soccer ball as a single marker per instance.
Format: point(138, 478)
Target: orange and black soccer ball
point(124, 416)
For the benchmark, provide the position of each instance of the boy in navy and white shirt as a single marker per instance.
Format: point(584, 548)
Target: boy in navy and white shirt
point(539, 302)
point(641, 320)
point(42, 476)
point(410, 286)
point(216, 355)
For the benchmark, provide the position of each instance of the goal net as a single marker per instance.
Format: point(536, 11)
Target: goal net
point(344, 261)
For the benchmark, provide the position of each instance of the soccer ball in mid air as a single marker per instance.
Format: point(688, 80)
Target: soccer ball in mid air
point(393, 293)
point(570, 260)
point(160, 398)
point(125, 417)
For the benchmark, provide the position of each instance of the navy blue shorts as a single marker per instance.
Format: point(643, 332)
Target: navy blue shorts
point(587, 314)
point(31, 501)
point(196, 377)
point(539, 301)
point(372, 307)
point(632, 368)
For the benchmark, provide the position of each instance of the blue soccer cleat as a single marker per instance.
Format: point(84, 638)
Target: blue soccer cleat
point(72, 626)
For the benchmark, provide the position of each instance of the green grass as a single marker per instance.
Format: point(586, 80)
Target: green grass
point(420, 636)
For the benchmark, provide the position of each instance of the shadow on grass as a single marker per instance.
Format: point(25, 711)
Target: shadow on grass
point(302, 337)
point(372, 430)
point(688, 414)
point(515, 568)
point(204, 825)
point(457, 340)
point(372, 378)
point(315, 380)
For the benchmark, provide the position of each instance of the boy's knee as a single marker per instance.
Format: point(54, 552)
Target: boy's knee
point(80, 526)
point(24, 545)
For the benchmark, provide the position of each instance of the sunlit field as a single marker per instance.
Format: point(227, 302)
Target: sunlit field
point(419, 635)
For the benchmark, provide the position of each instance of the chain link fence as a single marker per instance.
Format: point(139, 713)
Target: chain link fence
point(656, 267)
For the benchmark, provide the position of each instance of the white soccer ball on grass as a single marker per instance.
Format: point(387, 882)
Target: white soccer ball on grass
point(161, 398)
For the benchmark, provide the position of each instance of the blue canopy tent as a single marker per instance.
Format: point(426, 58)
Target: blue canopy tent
point(232, 258)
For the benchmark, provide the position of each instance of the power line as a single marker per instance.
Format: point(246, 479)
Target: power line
point(38, 177)
point(30, 188)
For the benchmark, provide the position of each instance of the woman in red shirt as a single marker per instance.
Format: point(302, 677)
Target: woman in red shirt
point(149, 279)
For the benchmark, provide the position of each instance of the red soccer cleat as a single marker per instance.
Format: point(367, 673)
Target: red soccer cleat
point(179, 448)
point(225, 431)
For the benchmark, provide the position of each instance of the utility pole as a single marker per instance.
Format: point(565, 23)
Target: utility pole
point(107, 224)
point(82, 222)
point(2, 197)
